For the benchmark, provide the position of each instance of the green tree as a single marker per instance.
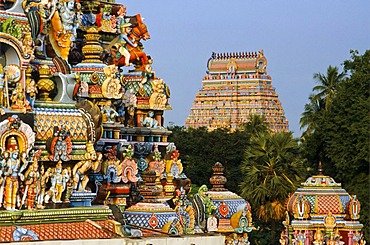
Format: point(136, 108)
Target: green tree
point(346, 133)
point(340, 138)
point(328, 84)
point(272, 169)
point(309, 117)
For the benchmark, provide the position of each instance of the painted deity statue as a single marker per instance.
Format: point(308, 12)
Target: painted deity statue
point(59, 181)
point(124, 40)
point(13, 173)
point(204, 207)
point(79, 171)
point(32, 179)
point(68, 17)
point(39, 14)
point(31, 91)
point(61, 145)
point(111, 87)
point(18, 98)
point(109, 113)
point(149, 121)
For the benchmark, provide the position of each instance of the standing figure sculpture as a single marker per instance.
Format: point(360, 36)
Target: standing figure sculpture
point(79, 171)
point(13, 172)
point(32, 180)
point(59, 181)
point(205, 208)
point(68, 17)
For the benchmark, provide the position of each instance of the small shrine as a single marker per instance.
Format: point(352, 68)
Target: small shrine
point(321, 212)
point(234, 214)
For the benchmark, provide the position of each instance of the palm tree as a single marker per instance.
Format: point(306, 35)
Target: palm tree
point(255, 124)
point(271, 170)
point(328, 84)
point(311, 112)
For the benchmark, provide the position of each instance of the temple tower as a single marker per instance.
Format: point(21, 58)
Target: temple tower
point(236, 86)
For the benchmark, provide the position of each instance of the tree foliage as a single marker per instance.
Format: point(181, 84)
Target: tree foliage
point(272, 169)
point(200, 149)
point(340, 138)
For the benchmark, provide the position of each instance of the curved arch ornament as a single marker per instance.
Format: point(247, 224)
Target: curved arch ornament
point(23, 133)
point(24, 58)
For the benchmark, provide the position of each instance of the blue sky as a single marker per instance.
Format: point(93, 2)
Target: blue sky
point(299, 38)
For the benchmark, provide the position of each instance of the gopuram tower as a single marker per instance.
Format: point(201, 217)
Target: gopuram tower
point(235, 87)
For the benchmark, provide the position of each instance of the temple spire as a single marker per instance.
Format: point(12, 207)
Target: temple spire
point(320, 168)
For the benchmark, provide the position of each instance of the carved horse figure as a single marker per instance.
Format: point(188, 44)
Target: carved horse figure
point(137, 55)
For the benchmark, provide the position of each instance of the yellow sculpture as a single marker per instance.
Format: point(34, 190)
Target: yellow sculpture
point(93, 162)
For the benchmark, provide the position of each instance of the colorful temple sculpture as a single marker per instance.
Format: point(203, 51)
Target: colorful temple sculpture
point(321, 212)
point(234, 214)
point(83, 150)
point(235, 87)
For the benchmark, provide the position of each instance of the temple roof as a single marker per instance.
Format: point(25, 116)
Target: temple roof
point(237, 62)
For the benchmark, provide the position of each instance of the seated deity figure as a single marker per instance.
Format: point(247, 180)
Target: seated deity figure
point(18, 98)
point(149, 121)
point(125, 29)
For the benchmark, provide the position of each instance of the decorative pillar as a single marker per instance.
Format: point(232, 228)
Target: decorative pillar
point(350, 238)
point(308, 237)
point(158, 117)
point(92, 50)
point(44, 84)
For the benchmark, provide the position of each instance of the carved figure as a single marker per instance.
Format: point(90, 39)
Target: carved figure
point(39, 14)
point(124, 40)
point(32, 180)
point(61, 145)
point(149, 120)
point(28, 44)
point(111, 87)
point(31, 91)
point(18, 98)
point(105, 21)
point(13, 171)
point(204, 207)
point(174, 166)
point(120, 19)
point(92, 162)
point(68, 17)
point(109, 114)
point(59, 181)
point(318, 237)
point(111, 167)
point(157, 99)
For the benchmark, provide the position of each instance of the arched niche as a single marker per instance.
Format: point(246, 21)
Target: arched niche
point(13, 51)
point(14, 7)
